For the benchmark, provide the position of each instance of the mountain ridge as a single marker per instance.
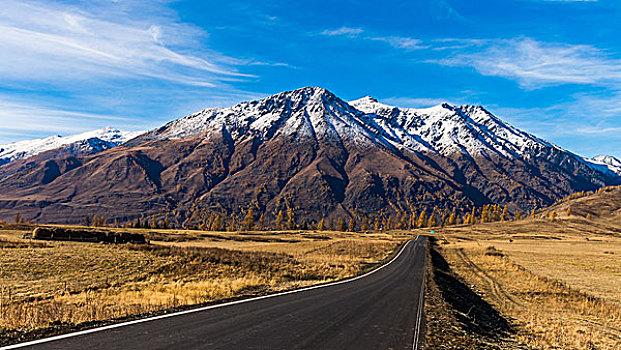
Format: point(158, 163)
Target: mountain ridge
point(309, 150)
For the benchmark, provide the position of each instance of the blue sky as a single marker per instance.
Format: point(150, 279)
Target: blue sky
point(552, 68)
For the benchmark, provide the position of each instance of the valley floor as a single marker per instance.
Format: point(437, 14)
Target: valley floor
point(529, 284)
point(51, 286)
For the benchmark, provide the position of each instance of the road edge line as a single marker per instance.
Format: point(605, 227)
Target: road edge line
point(421, 306)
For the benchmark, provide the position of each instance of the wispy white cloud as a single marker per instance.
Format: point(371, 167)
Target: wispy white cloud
point(343, 31)
point(51, 42)
point(400, 42)
point(534, 64)
point(606, 106)
point(599, 130)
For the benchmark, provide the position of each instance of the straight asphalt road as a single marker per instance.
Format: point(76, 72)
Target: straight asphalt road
point(380, 310)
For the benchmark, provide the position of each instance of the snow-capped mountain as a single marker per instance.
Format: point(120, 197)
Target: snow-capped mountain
point(446, 129)
point(88, 143)
point(310, 150)
point(606, 163)
point(315, 112)
point(307, 112)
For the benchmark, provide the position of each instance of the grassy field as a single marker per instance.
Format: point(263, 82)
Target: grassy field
point(557, 282)
point(527, 284)
point(53, 284)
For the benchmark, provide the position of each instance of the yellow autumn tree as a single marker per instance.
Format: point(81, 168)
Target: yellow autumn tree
point(261, 222)
point(216, 224)
point(452, 220)
point(413, 220)
point(291, 219)
point(232, 223)
point(422, 220)
point(505, 214)
point(280, 219)
point(322, 224)
point(364, 226)
point(485, 214)
point(248, 221)
point(433, 220)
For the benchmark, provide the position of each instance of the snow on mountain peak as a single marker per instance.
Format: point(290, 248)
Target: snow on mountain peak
point(98, 140)
point(605, 163)
point(309, 111)
point(369, 104)
point(606, 159)
point(448, 129)
point(314, 112)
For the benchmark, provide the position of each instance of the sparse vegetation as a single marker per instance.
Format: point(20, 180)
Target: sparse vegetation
point(555, 279)
point(54, 283)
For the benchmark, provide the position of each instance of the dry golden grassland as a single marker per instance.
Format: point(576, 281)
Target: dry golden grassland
point(47, 283)
point(559, 281)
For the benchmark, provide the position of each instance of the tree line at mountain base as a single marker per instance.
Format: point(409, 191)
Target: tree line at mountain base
point(247, 220)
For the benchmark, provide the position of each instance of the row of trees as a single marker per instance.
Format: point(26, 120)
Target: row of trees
point(286, 219)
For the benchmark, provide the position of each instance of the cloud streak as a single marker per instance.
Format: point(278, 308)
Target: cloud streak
point(400, 42)
point(50, 42)
point(532, 63)
point(343, 31)
point(535, 64)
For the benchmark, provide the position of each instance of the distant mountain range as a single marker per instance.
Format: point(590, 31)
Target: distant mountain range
point(90, 142)
point(305, 149)
point(605, 163)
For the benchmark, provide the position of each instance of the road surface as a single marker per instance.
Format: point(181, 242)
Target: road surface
point(380, 310)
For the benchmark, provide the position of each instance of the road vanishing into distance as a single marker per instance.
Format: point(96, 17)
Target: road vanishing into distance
point(382, 309)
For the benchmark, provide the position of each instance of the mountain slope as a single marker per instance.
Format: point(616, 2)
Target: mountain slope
point(309, 150)
point(478, 149)
point(446, 130)
point(603, 204)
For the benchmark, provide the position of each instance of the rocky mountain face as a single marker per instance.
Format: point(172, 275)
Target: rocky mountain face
point(305, 149)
